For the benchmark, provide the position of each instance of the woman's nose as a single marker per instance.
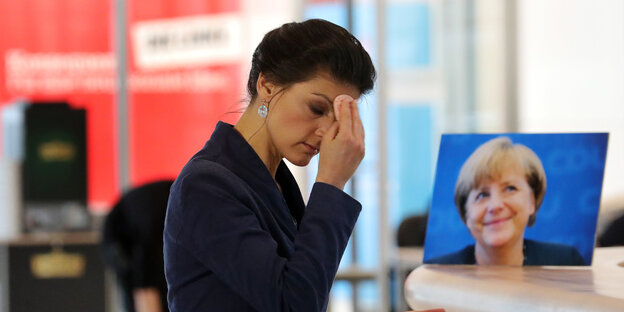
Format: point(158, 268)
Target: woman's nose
point(495, 203)
point(324, 125)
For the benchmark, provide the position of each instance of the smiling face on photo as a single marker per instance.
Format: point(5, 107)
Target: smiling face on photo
point(498, 208)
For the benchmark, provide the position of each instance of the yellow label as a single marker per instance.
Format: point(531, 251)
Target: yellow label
point(57, 151)
point(57, 264)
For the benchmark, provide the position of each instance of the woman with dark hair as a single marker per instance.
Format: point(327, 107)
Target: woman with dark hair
point(238, 236)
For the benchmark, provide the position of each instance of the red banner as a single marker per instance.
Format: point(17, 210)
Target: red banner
point(184, 77)
point(62, 50)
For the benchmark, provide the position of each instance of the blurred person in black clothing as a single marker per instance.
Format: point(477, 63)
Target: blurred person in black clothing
point(613, 234)
point(132, 246)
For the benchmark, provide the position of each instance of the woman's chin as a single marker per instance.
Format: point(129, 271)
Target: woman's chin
point(498, 237)
point(497, 241)
point(299, 162)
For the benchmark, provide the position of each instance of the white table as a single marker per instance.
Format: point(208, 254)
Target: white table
point(465, 288)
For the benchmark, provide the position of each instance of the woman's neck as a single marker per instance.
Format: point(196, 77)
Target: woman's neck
point(505, 255)
point(254, 131)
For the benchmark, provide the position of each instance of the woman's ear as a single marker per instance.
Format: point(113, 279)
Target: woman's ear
point(266, 89)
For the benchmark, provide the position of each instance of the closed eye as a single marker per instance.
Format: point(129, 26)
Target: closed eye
point(316, 110)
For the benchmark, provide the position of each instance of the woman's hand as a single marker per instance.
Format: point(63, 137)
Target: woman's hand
point(342, 147)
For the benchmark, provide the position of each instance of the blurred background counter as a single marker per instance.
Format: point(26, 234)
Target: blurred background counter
point(52, 272)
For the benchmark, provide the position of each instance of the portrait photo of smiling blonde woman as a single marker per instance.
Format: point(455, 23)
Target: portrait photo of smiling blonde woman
point(499, 195)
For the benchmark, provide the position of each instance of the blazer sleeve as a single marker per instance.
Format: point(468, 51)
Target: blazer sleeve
point(224, 234)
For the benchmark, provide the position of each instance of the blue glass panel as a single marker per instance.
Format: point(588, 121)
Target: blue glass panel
point(409, 160)
point(334, 12)
point(409, 35)
point(368, 296)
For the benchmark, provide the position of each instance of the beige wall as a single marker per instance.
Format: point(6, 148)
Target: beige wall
point(571, 74)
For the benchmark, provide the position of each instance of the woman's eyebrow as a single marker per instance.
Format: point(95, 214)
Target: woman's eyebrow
point(323, 96)
point(480, 188)
point(511, 181)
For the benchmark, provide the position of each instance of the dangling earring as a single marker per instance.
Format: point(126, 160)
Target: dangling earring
point(263, 110)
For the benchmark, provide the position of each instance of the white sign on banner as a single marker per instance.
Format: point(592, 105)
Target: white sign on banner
point(187, 41)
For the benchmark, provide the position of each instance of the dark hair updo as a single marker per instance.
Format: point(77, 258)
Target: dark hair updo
point(295, 52)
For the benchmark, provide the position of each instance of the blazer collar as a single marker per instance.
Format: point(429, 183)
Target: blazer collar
point(228, 147)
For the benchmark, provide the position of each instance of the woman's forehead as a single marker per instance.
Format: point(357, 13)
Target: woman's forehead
point(498, 170)
point(327, 86)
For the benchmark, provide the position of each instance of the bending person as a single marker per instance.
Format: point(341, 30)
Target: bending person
point(498, 193)
point(238, 236)
point(132, 246)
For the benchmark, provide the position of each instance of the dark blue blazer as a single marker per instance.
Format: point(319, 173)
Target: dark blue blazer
point(233, 242)
point(535, 253)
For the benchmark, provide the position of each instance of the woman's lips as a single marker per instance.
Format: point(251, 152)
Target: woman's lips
point(497, 221)
point(311, 149)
